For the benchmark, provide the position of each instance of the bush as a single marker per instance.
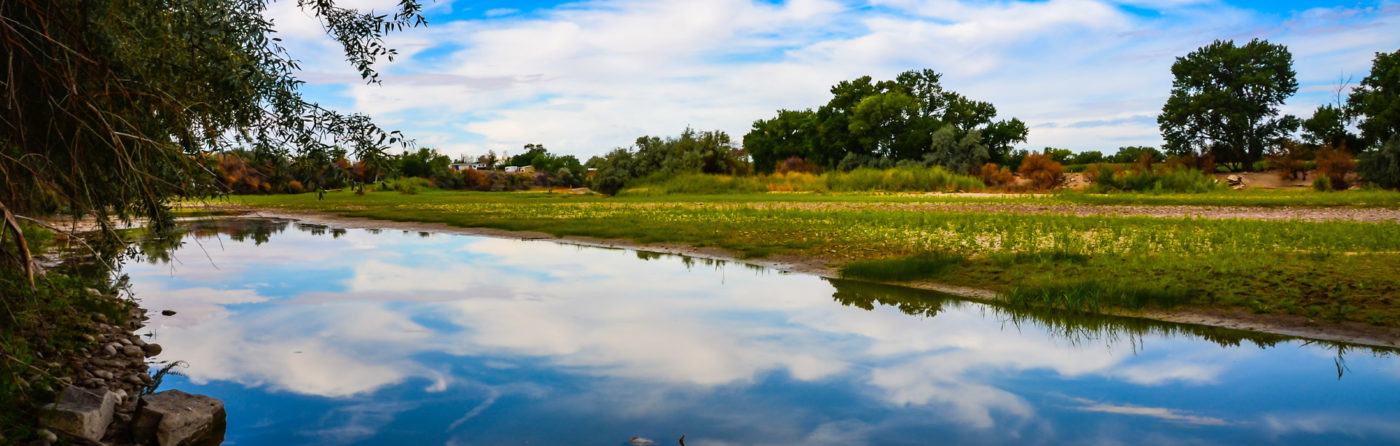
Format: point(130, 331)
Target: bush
point(798, 165)
point(1382, 166)
point(1334, 165)
point(1178, 180)
point(996, 176)
point(901, 179)
point(1043, 172)
point(1322, 184)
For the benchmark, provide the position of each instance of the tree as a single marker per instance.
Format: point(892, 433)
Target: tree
point(110, 106)
point(1225, 100)
point(1382, 166)
point(1132, 154)
point(1328, 127)
point(962, 155)
point(1377, 101)
point(869, 123)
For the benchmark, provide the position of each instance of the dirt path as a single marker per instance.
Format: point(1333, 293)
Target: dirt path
point(1350, 332)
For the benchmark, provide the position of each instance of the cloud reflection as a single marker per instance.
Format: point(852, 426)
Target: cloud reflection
point(609, 315)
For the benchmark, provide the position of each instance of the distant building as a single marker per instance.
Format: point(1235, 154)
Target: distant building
point(458, 167)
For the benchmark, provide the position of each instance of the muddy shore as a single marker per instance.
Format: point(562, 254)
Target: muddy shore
point(1287, 325)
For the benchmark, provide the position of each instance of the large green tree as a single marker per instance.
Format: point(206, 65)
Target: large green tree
point(112, 107)
point(1377, 101)
point(1225, 99)
point(910, 118)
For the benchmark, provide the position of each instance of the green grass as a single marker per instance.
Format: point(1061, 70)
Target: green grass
point(1336, 270)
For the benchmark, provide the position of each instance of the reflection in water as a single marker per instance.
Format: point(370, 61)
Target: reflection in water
point(394, 338)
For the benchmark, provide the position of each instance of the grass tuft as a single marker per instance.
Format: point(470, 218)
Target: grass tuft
point(915, 267)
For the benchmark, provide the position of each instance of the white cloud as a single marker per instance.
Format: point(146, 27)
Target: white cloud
point(587, 77)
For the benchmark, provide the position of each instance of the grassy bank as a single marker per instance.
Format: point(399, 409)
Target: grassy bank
point(1336, 270)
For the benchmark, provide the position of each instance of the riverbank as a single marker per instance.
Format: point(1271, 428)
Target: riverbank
point(831, 267)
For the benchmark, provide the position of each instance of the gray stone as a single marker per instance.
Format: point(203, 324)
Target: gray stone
point(82, 413)
point(124, 341)
point(133, 351)
point(152, 349)
point(109, 350)
point(175, 418)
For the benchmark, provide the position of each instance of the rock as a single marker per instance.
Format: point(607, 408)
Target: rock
point(109, 350)
point(133, 351)
point(123, 341)
point(173, 417)
point(102, 374)
point(47, 436)
point(1235, 181)
point(167, 313)
point(152, 349)
point(82, 413)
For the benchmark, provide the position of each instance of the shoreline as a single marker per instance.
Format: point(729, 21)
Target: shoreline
point(1279, 324)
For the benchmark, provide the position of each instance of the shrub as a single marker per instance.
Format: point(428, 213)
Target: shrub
point(1382, 166)
point(1322, 184)
point(1335, 165)
point(1043, 172)
point(1178, 180)
point(901, 179)
point(996, 176)
point(798, 165)
point(295, 187)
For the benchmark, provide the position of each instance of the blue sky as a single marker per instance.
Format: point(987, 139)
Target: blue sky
point(585, 77)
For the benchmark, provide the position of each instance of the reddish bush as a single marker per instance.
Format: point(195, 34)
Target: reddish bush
point(1335, 165)
point(797, 164)
point(1043, 172)
point(476, 179)
point(996, 176)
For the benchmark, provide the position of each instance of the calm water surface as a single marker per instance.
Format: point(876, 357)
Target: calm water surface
point(315, 335)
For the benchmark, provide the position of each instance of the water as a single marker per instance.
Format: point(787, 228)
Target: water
point(315, 335)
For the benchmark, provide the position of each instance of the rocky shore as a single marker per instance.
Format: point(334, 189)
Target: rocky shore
point(107, 400)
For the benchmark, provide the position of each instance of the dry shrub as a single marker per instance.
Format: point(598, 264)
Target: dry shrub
point(1291, 160)
point(1043, 172)
point(1144, 163)
point(996, 176)
point(295, 187)
point(476, 180)
point(1335, 165)
point(798, 165)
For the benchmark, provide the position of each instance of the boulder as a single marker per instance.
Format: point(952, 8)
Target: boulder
point(151, 349)
point(1235, 182)
point(82, 413)
point(175, 418)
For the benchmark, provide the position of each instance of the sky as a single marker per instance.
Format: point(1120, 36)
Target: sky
point(585, 77)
